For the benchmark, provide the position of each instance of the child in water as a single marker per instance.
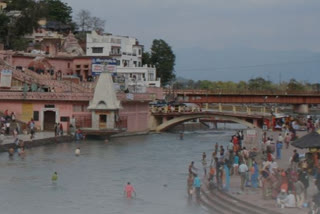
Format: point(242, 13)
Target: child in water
point(54, 177)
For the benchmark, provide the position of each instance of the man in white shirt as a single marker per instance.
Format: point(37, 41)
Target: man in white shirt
point(243, 170)
point(273, 166)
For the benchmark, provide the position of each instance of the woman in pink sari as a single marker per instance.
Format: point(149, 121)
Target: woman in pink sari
point(129, 190)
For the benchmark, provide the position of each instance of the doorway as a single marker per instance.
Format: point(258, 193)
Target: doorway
point(102, 121)
point(49, 120)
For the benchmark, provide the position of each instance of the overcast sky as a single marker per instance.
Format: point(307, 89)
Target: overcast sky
point(213, 24)
point(272, 25)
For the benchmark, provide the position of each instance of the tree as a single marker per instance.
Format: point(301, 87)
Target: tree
point(146, 58)
point(58, 11)
point(163, 58)
point(294, 85)
point(259, 84)
point(97, 24)
point(4, 22)
point(86, 22)
point(83, 19)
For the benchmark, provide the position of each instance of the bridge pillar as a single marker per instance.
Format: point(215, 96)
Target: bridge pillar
point(301, 108)
point(256, 123)
point(207, 106)
point(220, 107)
point(234, 109)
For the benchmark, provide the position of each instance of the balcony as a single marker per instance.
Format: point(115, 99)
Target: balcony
point(128, 97)
point(111, 53)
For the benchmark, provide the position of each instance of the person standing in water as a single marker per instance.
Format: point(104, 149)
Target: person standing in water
point(128, 190)
point(181, 135)
point(77, 151)
point(54, 177)
point(197, 185)
point(190, 185)
point(204, 163)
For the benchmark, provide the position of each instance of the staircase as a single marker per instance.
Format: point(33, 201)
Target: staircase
point(30, 77)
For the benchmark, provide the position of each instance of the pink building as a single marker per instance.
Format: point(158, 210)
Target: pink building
point(67, 102)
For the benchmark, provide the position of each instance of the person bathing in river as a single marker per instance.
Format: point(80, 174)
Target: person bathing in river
point(129, 190)
point(191, 168)
point(204, 163)
point(77, 151)
point(54, 177)
point(190, 185)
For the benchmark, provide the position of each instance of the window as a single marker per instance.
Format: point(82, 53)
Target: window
point(140, 51)
point(97, 50)
point(86, 66)
point(49, 106)
point(68, 64)
point(78, 66)
point(36, 115)
point(64, 119)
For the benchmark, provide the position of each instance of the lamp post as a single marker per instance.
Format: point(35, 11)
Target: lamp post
point(264, 127)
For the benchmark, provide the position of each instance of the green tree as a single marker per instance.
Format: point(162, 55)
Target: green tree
point(294, 85)
point(242, 86)
point(58, 11)
point(259, 84)
point(163, 58)
point(4, 22)
point(146, 58)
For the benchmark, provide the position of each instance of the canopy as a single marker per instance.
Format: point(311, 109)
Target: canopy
point(311, 140)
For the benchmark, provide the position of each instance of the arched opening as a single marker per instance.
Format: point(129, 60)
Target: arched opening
point(178, 120)
point(102, 105)
point(49, 120)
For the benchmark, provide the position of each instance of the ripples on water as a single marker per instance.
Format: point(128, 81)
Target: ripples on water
point(157, 166)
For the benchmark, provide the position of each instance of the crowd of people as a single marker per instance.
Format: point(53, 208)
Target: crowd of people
point(257, 168)
point(8, 124)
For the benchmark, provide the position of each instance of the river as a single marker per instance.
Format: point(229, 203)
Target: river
point(156, 165)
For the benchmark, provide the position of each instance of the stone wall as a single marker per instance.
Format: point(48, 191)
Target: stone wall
point(39, 142)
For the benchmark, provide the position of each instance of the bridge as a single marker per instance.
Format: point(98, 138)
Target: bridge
point(204, 96)
point(299, 100)
point(164, 119)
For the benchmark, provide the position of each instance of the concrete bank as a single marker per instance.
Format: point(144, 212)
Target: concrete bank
point(39, 142)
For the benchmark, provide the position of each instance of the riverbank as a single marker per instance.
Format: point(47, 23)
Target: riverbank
point(41, 139)
point(254, 196)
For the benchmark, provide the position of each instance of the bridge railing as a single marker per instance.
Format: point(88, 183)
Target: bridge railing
point(249, 110)
point(242, 92)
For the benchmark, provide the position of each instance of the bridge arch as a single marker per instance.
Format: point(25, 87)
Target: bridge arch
point(181, 119)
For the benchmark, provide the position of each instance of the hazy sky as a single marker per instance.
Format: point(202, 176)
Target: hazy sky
point(213, 24)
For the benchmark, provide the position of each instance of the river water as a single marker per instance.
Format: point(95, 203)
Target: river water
point(156, 165)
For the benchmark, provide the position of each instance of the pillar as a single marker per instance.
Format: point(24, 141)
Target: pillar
point(220, 107)
point(301, 109)
point(256, 122)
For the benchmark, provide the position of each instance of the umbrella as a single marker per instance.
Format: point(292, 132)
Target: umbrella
point(311, 140)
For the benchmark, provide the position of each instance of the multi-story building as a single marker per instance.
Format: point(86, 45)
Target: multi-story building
point(130, 73)
point(126, 50)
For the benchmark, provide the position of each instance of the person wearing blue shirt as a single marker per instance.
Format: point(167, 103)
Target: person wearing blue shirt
point(197, 185)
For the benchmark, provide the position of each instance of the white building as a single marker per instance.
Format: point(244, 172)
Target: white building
point(126, 50)
point(130, 73)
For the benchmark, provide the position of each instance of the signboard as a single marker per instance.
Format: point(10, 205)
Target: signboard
point(27, 112)
point(6, 78)
point(251, 133)
point(99, 64)
point(130, 96)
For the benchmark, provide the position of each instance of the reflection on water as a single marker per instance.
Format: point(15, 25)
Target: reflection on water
point(93, 182)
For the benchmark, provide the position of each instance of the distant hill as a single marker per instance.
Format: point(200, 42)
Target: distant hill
point(243, 64)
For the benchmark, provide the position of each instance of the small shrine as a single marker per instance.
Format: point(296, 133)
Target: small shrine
point(104, 105)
